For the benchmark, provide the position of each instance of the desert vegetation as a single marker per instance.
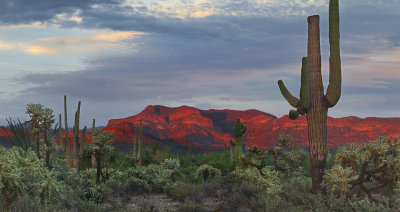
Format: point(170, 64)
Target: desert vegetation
point(95, 176)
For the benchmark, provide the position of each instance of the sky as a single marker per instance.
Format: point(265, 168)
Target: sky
point(118, 56)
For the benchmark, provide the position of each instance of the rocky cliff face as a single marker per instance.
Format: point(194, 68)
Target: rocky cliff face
point(208, 129)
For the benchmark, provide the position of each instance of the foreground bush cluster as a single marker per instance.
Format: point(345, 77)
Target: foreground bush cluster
point(273, 179)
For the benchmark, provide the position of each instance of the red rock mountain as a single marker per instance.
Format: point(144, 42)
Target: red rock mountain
point(208, 129)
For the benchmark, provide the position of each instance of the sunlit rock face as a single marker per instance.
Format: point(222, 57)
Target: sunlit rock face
point(209, 129)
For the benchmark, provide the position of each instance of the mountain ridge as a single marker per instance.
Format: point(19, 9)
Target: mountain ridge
point(212, 128)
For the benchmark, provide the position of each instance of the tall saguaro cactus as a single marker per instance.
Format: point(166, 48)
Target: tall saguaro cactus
point(239, 129)
point(93, 131)
point(139, 155)
point(313, 93)
point(66, 138)
point(75, 144)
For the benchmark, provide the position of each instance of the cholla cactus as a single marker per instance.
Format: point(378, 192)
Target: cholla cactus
point(41, 120)
point(253, 169)
point(337, 180)
point(23, 173)
point(165, 172)
point(287, 161)
point(206, 172)
point(266, 178)
point(371, 167)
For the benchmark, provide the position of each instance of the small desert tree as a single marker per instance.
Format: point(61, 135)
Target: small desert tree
point(100, 147)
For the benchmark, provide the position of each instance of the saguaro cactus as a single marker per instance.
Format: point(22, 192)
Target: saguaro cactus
point(318, 103)
point(134, 142)
point(93, 131)
point(231, 149)
point(75, 144)
point(66, 138)
point(140, 145)
point(239, 129)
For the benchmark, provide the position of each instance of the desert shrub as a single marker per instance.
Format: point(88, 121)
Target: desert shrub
point(397, 190)
point(138, 180)
point(189, 175)
point(295, 189)
point(153, 177)
point(365, 205)
point(206, 172)
point(238, 195)
point(327, 204)
point(190, 206)
point(193, 192)
point(89, 206)
point(183, 191)
point(262, 203)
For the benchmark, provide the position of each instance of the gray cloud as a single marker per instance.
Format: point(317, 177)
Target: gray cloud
point(26, 11)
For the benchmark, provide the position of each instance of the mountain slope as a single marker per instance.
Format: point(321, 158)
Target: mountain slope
point(208, 129)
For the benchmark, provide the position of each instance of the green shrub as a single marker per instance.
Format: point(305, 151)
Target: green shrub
point(238, 195)
point(189, 206)
point(365, 205)
point(183, 191)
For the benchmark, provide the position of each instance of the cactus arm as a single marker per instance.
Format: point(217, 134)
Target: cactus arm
point(305, 99)
point(293, 101)
point(293, 114)
point(335, 74)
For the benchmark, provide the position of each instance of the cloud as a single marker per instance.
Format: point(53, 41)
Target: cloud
point(37, 50)
point(5, 46)
point(71, 44)
point(362, 70)
point(26, 11)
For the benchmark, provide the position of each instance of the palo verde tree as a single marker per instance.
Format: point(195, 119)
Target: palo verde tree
point(312, 100)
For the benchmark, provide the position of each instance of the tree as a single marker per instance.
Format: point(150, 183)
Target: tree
point(100, 147)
